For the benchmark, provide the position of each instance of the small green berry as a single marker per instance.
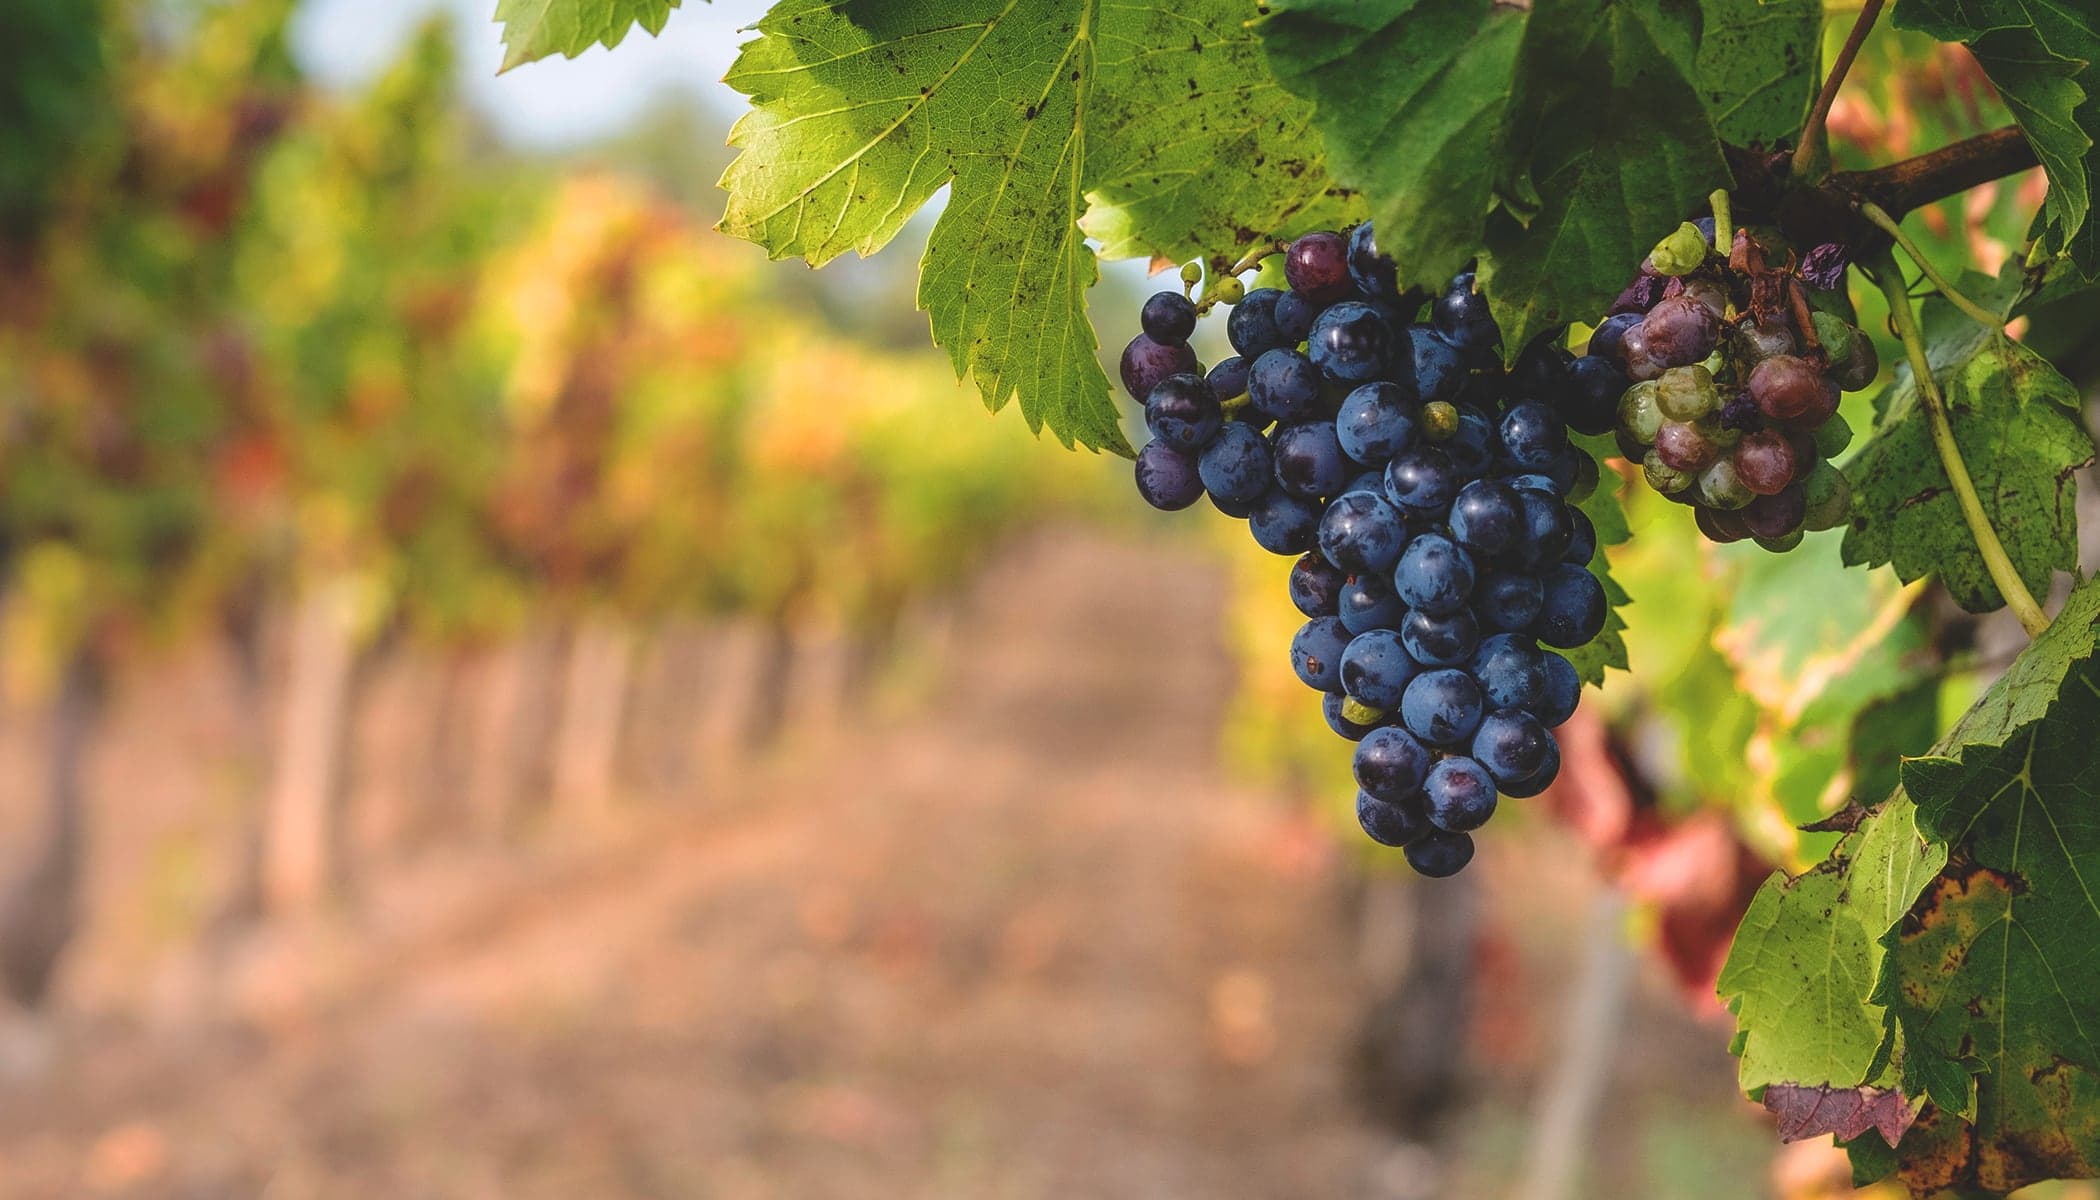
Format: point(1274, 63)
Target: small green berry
point(1227, 290)
point(1357, 712)
point(1681, 253)
point(1439, 420)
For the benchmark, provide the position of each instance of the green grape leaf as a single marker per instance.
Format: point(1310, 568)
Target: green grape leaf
point(534, 29)
point(2017, 422)
point(1993, 974)
point(861, 112)
point(1194, 150)
point(1608, 147)
point(1757, 66)
point(1810, 972)
point(2040, 55)
point(1410, 95)
point(1608, 517)
point(1800, 974)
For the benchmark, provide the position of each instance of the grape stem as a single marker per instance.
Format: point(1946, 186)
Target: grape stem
point(1812, 156)
point(1252, 258)
point(1888, 276)
point(1724, 221)
point(1889, 225)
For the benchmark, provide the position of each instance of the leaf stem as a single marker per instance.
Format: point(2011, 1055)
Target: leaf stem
point(1889, 277)
point(1812, 156)
point(1889, 225)
point(1724, 222)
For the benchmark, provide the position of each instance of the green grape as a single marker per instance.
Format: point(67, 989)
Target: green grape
point(1832, 436)
point(1358, 713)
point(1663, 477)
point(1439, 420)
point(1681, 253)
point(1780, 545)
point(1639, 413)
point(1835, 333)
point(1720, 487)
point(1686, 393)
point(1829, 496)
point(1192, 273)
point(1228, 290)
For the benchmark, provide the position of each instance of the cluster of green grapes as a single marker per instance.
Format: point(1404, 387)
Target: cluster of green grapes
point(1735, 378)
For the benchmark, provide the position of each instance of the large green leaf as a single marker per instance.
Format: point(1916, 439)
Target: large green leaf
point(2040, 55)
point(1757, 66)
point(2017, 422)
point(863, 110)
point(1811, 969)
point(1995, 972)
point(1410, 95)
point(1195, 151)
point(1608, 148)
point(534, 29)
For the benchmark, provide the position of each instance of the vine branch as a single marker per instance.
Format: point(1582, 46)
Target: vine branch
point(1889, 225)
point(1889, 278)
point(1948, 171)
point(1812, 156)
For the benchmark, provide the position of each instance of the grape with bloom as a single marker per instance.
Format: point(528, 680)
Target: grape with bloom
point(1426, 493)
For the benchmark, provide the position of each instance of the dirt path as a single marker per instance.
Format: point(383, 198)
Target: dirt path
point(1024, 943)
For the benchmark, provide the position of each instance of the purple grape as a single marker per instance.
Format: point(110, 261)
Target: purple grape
point(1460, 793)
point(1316, 585)
point(1309, 460)
point(1166, 477)
point(1374, 273)
point(1146, 362)
point(1439, 855)
point(1350, 342)
point(1316, 653)
point(1168, 318)
point(1182, 412)
point(1374, 423)
point(1389, 824)
point(1390, 764)
point(1317, 267)
point(1252, 326)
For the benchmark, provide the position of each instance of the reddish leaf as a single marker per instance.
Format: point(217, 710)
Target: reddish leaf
point(1806, 1112)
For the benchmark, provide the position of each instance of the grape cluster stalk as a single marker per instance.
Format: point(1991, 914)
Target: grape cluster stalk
point(1736, 367)
point(1426, 493)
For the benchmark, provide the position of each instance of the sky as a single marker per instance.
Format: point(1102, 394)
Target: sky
point(552, 104)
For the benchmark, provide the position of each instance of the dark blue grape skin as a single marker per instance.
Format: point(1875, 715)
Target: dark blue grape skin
point(1390, 765)
point(1533, 436)
point(1316, 653)
point(1574, 609)
point(1539, 780)
point(1284, 386)
point(1435, 367)
point(1294, 317)
point(1563, 690)
point(1473, 448)
point(1461, 316)
point(1236, 466)
point(1532, 480)
point(1369, 602)
point(1182, 412)
point(1316, 585)
point(1309, 460)
point(1236, 509)
point(1510, 744)
point(1541, 371)
point(1444, 641)
point(1595, 384)
point(1582, 542)
point(1421, 481)
point(1374, 273)
point(1146, 362)
point(1547, 530)
point(1282, 523)
point(1350, 342)
point(1507, 601)
point(1434, 575)
point(1511, 671)
point(1229, 377)
point(1486, 518)
point(1389, 824)
point(1168, 318)
point(1460, 794)
point(1561, 475)
point(1375, 422)
point(1331, 708)
point(1166, 477)
point(1439, 855)
point(1361, 532)
point(1252, 326)
point(1376, 668)
point(1441, 707)
point(1606, 340)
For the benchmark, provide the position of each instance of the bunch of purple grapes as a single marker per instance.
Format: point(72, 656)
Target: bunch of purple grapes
point(1426, 492)
point(1735, 384)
